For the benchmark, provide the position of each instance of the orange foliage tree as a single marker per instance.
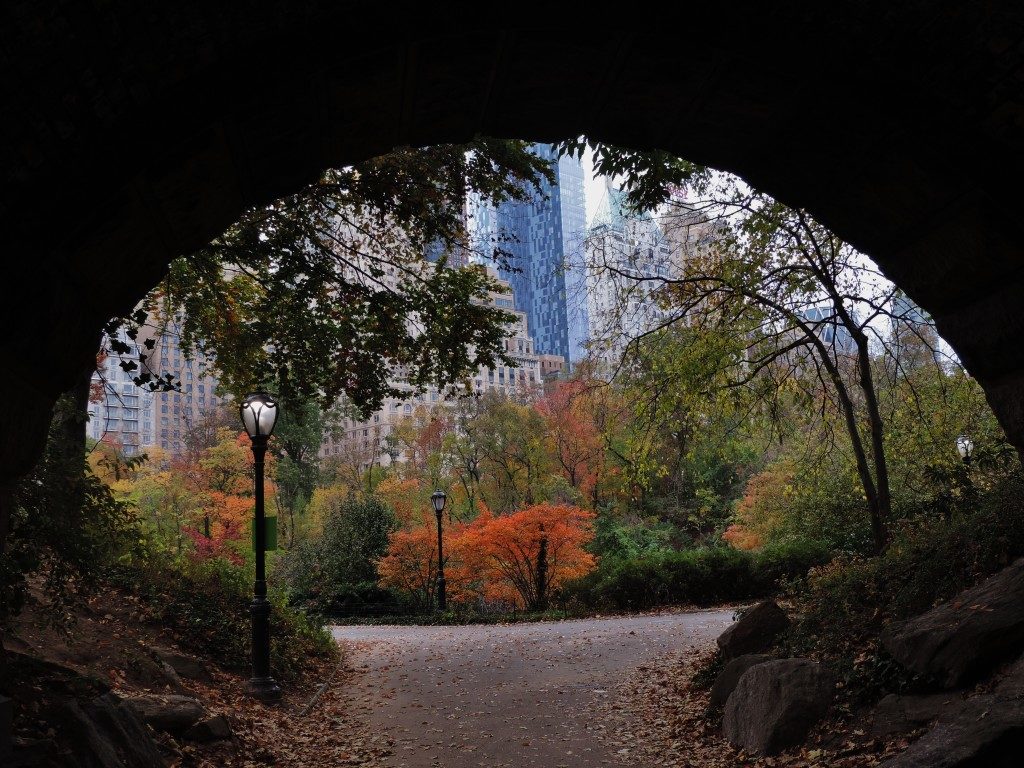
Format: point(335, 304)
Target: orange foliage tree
point(221, 477)
point(408, 497)
point(410, 565)
point(226, 518)
point(527, 554)
point(763, 508)
point(575, 441)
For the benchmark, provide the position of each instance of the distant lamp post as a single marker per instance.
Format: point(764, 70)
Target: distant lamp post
point(965, 447)
point(259, 415)
point(438, 499)
point(391, 448)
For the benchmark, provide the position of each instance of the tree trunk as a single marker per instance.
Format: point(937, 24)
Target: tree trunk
point(542, 573)
point(883, 511)
point(27, 410)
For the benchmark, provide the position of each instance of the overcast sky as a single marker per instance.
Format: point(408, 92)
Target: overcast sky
point(593, 189)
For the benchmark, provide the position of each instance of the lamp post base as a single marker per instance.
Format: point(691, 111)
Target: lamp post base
point(265, 689)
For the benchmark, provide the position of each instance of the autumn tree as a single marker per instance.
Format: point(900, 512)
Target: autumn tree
point(420, 437)
point(463, 448)
point(512, 444)
point(573, 436)
point(531, 552)
point(410, 565)
point(409, 497)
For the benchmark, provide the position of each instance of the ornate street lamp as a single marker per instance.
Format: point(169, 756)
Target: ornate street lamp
point(965, 447)
point(438, 499)
point(259, 415)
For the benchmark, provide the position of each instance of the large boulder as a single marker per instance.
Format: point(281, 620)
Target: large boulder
point(981, 733)
point(107, 733)
point(183, 665)
point(775, 704)
point(957, 641)
point(170, 713)
point(727, 679)
point(216, 728)
point(755, 631)
point(986, 731)
point(901, 714)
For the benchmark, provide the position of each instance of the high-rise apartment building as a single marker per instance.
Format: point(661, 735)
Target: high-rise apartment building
point(913, 338)
point(175, 413)
point(541, 234)
point(367, 442)
point(827, 327)
point(122, 412)
point(626, 260)
point(134, 417)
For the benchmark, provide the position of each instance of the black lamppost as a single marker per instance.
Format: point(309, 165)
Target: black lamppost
point(259, 415)
point(438, 499)
point(965, 447)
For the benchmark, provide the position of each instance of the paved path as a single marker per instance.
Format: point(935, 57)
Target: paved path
point(512, 695)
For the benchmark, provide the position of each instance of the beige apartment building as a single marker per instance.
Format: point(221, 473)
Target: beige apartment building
point(366, 442)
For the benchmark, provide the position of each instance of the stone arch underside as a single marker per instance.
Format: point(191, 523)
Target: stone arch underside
point(133, 134)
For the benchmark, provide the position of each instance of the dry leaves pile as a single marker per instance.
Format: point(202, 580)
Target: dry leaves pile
point(331, 733)
point(658, 718)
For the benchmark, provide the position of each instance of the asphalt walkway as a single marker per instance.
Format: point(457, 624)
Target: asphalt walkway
point(506, 695)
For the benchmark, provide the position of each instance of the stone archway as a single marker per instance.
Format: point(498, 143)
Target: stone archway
point(132, 136)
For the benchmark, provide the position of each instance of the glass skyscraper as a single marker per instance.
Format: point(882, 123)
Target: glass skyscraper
point(541, 235)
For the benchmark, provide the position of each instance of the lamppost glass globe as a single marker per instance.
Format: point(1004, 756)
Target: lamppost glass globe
point(259, 414)
point(438, 499)
point(965, 446)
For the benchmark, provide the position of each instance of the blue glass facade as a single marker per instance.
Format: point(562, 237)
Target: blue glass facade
point(546, 231)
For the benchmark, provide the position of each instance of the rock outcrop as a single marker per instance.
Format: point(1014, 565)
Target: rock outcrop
point(727, 679)
point(183, 665)
point(755, 631)
point(109, 733)
point(958, 641)
point(216, 728)
point(902, 714)
point(171, 713)
point(985, 731)
point(775, 704)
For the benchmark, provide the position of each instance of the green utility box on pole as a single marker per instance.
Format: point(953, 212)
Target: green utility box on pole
point(271, 529)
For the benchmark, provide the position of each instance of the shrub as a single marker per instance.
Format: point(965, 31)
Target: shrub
point(206, 604)
point(696, 576)
point(336, 570)
point(843, 606)
point(65, 525)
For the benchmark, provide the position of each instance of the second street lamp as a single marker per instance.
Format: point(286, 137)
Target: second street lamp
point(965, 447)
point(438, 499)
point(259, 415)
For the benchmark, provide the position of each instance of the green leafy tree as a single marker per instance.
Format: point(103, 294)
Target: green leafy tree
point(327, 292)
point(67, 526)
point(297, 439)
point(805, 305)
point(338, 566)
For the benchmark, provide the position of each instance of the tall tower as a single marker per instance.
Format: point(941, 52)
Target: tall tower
point(545, 232)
